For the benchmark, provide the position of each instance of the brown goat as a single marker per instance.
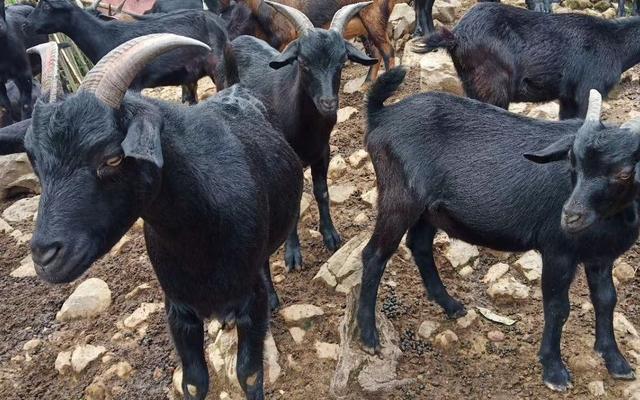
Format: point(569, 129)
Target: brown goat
point(263, 22)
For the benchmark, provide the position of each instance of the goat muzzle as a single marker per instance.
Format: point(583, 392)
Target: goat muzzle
point(110, 78)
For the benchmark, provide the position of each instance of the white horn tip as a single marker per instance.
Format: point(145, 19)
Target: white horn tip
point(594, 95)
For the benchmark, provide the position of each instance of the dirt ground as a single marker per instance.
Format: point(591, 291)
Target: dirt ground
point(474, 368)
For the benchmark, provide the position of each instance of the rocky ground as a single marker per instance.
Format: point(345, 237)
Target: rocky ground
point(105, 337)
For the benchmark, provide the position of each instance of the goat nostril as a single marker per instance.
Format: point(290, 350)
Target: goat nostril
point(46, 254)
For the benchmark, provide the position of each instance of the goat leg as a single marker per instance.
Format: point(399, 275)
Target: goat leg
point(321, 192)
point(252, 330)
point(6, 103)
point(190, 93)
point(420, 241)
point(25, 87)
point(187, 331)
point(274, 301)
point(292, 251)
point(557, 275)
point(604, 298)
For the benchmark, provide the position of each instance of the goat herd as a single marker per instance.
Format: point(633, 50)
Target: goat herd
point(219, 183)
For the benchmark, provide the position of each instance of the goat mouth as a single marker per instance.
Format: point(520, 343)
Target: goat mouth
point(66, 267)
point(576, 226)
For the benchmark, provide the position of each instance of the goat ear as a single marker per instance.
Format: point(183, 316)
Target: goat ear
point(554, 152)
point(12, 137)
point(286, 57)
point(143, 140)
point(356, 55)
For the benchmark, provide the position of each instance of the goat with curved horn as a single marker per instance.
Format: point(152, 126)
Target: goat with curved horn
point(595, 106)
point(48, 52)
point(111, 77)
point(344, 15)
point(297, 18)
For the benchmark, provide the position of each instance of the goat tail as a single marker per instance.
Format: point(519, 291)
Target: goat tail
point(442, 39)
point(382, 89)
point(231, 74)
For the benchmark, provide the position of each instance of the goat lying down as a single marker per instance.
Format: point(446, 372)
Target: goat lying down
point(456, 164)
point(217, 187)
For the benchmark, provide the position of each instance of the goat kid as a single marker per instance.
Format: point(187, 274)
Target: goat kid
point(216, 185)
point(456, 164)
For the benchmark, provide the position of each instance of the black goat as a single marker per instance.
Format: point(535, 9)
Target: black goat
point(96, 38)
point(456, 164)
point(299, 87)
point(506, 54)
point(14, 113)
point(216, 185)
point(167, 6)
point(14, 63)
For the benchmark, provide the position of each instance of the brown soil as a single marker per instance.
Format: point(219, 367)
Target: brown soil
point(474, 368)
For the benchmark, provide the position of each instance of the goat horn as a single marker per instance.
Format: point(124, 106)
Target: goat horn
point(120, 7)
point(343, 15)
point(50, 78)
point(633, 125)
point(595, 106)
point(111, 77)
point(94, 5)
point(296, 17)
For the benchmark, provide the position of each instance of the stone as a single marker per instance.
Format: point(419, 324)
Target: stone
point(26, 269)
point(343, 269)
point(370, 198)
point(305, 202)
point(508, 289)
point(358, 158)
point(445, 10)
point(517, 108)
point(22, 210)
point(495, 272)
point(5, 227)
point(140, 314)
point(16, 176)
point(437, 73)
point(624, 272)
point(361, 219)
point(213, 328)
point(609, 14)
point(31, 345)
point(465, 271)
point(117, 248)
point(427, 329)
point(409, 58)
point(445, 340)
point(545, 111)
point(271, 356)
point(137, 291)
point(460, 253)
point(467, 320)
point(622, 325)
point(297, 334)
point(496, 336)
point(577, 4)
point(177, 381)
point(341, 193)
point(602, 6)
point(354, 85)
point(344, 114)
point(337, 167)
point(327, 351)
point(582, 363)
point(63, 362)
point(91, 298)
point(324, 275)
point(530, 264)
point(402, 20)
point(84, 355)
point(122, 369)
point(300, 313)
point(596, 388)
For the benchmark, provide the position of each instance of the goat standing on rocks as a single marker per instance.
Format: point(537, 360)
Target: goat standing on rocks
point(300, 87)
point(216, 185)
point(456, 164)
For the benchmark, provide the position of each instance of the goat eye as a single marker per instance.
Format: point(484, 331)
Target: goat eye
point(114, 161)
point(624, 175)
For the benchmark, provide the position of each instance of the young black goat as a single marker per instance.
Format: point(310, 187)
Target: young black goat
point(506, 54)
point(299, 87)
point(96, 38)
point(216, 185)
point(14, 62)
point(456, 164)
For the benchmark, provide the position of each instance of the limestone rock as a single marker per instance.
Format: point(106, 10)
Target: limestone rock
point(84, 355)
point(300, 313)
point(327, 351)
point(358, 158)
point(438, 73)
point(402, 20)
point(305, 202)
point(465, 271)
point(89, 299)
point(508, 289)
point(624, 272)
point(577, 4)
point(337, 167)
point(354, 85)
point(343, 270)
point(446, 339)
point(297, 334)
point(582, 363)
point(530, 264)
point(596, 388)
point(140, 314)
point(622, 325)
point(16, 176)
point(344, 114)
point(496, 336)
point(495, 272)
point(22, 210)
point(427, 328)
point(63, 362)
point(467, 320)
point(370, 198)
point(460, 253)
point(213, 328)
point(25, 270)
point(341, 193)
point(31, 345)
point(445, 10)
point(549, 111)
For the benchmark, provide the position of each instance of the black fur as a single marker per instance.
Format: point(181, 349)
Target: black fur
point(456, 164)
point(505, 54)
